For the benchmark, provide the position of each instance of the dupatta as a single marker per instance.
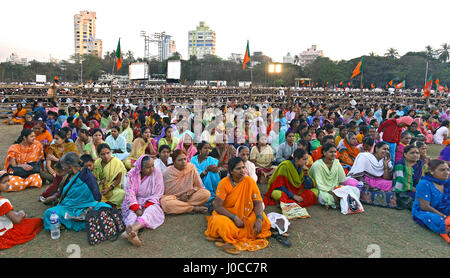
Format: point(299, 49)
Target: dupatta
point(178, 182)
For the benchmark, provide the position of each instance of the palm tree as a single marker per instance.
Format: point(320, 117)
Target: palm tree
point(444, 53)
point(372, 54)
point(130, 56)
point(392, 53)
point(430, 51)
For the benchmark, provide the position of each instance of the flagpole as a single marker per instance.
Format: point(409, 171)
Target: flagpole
point(426, 74)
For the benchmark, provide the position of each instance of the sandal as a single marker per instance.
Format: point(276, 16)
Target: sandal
point(282, 239)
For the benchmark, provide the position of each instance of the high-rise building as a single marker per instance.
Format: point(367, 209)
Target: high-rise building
point(202, 41)
point(84, 34)
point(168, 47)
point(308, 56)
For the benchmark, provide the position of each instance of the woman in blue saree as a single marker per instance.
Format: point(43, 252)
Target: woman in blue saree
point(208, 168)
point(431, 207)
point(78, 195)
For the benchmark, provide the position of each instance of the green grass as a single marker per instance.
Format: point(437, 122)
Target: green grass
point(327, 234)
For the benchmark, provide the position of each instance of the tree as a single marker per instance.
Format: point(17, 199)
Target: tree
point(431, 53)
point(392, 53)
point(444, 53)
point(296, 60)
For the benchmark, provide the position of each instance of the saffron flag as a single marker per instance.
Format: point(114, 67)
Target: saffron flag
point(441, 88)
point(247, 56)
point(390, 83)
point(119, 56)
point(437, 82)
point(427, 88)
point(340, 83)
point(400, 85)
point(349, 84)
point(358, 68)
point(372, 86)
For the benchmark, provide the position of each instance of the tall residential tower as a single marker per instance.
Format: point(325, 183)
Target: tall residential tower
point(202, 41)
point(84, 34)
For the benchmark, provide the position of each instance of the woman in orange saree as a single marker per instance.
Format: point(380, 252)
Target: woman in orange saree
point(18, 117)
point(348, 151)
point(238, 222)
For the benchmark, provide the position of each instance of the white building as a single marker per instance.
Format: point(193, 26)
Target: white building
point(15, 59)
point(168, 47)
point(288, 58)
point(236, 57)
point(308, 56)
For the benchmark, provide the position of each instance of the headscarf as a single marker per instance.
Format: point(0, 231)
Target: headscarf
point(192, 149)
point(445, 154)
point(405, 119)
point(353, 151)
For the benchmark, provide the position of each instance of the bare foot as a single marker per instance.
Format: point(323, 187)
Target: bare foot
point(130, 231)
point(134, 240)
point(199, 209)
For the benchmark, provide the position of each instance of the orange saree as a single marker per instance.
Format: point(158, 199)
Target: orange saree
point(238, 200)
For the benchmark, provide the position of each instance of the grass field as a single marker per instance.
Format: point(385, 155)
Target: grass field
point(327, 234)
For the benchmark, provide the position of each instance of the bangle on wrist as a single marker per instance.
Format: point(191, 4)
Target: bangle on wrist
point(232, 217)
point(258, 216)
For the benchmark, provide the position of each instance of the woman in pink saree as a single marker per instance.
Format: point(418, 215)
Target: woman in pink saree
point(141, 207)
point(186, 143)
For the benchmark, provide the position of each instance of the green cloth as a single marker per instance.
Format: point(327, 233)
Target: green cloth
point(403, 177)
point(287, 169)
point(327, 179)
point(172, 146)
point(315, 144)
point(104, 122)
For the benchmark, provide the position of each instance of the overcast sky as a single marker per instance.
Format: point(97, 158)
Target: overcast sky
point(343, 29)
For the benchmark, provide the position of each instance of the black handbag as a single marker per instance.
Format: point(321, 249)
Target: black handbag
point(20, 172)
point(404, 201)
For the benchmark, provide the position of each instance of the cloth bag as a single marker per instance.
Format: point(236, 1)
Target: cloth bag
point(273, 217)
point(349, 195)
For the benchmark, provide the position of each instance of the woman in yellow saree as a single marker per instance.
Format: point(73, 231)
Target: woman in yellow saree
point(238, 222)
point(141, 145)
point(110, 172)
point(18, 117)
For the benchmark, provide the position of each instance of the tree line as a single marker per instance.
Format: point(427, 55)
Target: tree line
point(376, 70)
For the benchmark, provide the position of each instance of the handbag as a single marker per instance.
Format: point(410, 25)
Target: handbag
point(20, 172)
point(103, 224)
point(404, 201)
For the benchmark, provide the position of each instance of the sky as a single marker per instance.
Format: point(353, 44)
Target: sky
point(343, 29)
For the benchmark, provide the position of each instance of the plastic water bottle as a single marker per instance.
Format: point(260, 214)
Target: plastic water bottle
point(54, 226)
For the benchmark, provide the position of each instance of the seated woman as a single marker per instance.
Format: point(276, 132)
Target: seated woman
point(262, 156)
point(51, 194)
point(164, 160)
point(328, 174)
point(317, 153)
point(55, 152)
point(183, 190)
point(127, 132)
point(441, 135)
point(375, 169)
point(305, 145)
point(110, 173)
point(141, 208)
point(82, 140)
point(144, 144)
point(117, 143)
point(208, 168)
point(186, 143)
point(423, 148)
point(25, 153)
point(424, 130)
point(97, 140)
point(405, 139)
point(431, 206)
point(286, 149)
point(250, 168)
point(238, 222)
point(80, 194)
point(18, 117)
point(29, 121)
point(15, 228)
point(223, 152)
point(290, 183)
point(407, 173)
point(168, 139)
point(43, 135)
point(415, 132)
point(348, 151)
point(368, 144)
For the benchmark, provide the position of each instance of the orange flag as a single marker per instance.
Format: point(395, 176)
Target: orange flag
point(372, 86)
point(358, 68)
point(247, 56)
point(390, 83)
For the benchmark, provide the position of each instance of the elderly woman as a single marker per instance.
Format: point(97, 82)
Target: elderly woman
point(375, 169)
point(110, 173)
point(262, 156)
point(28, 154)
point(78, 195)
point(250, 168)
point(431, 206)
point(186, 143)
point(328, 174)
point(291, 183)
point(207, 167)
point(91, 147)
point(117, 143)
point(141, 208)
point(145, 144)
point(238, 222)
point(348, 151)
point(407, 173)
point(183, 190)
